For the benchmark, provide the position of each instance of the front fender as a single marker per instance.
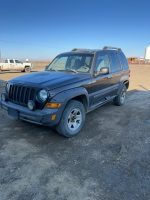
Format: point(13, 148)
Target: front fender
point(65, 96)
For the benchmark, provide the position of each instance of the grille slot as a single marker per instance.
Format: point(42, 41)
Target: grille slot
point(21, 94)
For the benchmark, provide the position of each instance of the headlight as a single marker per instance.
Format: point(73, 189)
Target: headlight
point(7, 87)
point(42, 95)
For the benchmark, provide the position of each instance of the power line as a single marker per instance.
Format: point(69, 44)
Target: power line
point(34, 44)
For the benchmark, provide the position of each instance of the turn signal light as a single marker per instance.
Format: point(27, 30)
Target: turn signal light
point(53, 117)
point(53, 105)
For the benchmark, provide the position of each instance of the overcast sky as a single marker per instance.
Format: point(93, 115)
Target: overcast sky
point(39, 30)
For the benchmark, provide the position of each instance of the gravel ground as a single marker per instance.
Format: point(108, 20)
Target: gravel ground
point(109, 159)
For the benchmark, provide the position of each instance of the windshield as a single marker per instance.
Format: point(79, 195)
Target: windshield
point(78, 63)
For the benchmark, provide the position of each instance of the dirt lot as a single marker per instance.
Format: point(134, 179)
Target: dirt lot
point(109, 159)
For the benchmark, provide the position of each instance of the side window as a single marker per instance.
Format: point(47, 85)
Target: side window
point(17, 61)
point(102, 61)
point(119, 64)
point(124, 61)
point(115, 63)
point(11, 61)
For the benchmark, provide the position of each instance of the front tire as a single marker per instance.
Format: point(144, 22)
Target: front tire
point(72, 119)
point(120, 99)
point(27, 69)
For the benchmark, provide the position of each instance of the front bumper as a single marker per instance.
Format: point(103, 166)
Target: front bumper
point(42, 117)
point(32, 66)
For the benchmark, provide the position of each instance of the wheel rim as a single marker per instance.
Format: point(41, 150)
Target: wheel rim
point(74, 119)
point(123, 96)
point(27, 69)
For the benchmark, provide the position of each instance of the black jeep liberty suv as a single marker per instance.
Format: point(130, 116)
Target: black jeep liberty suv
point(73, 84)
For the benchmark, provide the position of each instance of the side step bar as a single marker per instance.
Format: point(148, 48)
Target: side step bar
point(100, 104)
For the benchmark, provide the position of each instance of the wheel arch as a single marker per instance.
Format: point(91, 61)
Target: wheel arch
point(79, 94)
point(123, 81)
point(27, 66)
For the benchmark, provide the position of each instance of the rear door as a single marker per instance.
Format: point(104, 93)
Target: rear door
point(101, 85)
point(12, 64)
point(116, 69)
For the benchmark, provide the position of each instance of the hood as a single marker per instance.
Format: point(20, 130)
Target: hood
point(27, 63)
point(49, 79)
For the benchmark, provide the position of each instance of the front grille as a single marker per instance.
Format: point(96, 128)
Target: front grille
point(21, 94)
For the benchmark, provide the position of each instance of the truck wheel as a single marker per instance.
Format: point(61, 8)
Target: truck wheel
point(72, 119)
point(27, 69)
point(120, 99)
point(0, 70)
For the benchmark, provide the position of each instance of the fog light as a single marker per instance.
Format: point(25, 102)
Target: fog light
point(4, 96)
point(31, 105)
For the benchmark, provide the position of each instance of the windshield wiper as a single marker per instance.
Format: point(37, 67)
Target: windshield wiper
point(71, 70)
point(51, 69)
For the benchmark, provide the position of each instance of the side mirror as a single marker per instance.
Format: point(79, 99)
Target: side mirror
point(46, 67)
point(103, 71)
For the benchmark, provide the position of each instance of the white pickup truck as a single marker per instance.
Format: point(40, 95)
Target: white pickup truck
point(14, 64)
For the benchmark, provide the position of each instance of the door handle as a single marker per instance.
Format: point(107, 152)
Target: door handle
point(109, 76)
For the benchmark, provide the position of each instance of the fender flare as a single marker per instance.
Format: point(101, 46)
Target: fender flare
point(65, 96)
point(122, 80)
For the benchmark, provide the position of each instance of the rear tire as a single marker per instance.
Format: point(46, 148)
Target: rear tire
point(72, 119)
point(120, 99)
point(27, 69)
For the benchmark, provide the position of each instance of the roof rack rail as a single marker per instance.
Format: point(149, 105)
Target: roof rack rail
point(76, 49)
point(107, 47)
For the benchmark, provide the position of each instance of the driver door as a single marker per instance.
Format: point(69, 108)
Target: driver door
point(101, 85)
point(18, 65)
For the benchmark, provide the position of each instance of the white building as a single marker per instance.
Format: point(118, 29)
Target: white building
point(147, 54)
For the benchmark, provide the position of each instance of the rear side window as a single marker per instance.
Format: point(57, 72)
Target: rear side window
point(11, 61)
point(124, 61)
point(118, 59)
point(115, 62)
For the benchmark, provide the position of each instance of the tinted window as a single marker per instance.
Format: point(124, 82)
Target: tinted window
point(11, 61)
point(115, 63)
point(118, 59)
point(102, 61)
point(17, 61)
point(123, 61)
